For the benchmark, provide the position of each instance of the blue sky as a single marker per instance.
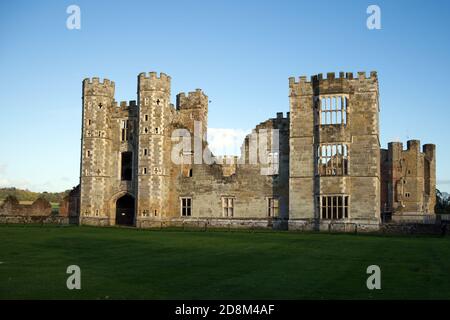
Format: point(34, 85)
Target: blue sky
point(240, 53)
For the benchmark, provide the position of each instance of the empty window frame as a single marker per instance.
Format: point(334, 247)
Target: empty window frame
point(273, 161)
point(228, 206)
point(333, 207)
point(126, 166)
point(124, 128)
point(272, 207)
point(333, 110)
point(186, 206)
point(332, 159)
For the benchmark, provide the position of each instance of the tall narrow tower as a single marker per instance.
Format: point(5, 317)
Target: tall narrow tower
point(96, 151)
point(154, 146)
point(334, 152)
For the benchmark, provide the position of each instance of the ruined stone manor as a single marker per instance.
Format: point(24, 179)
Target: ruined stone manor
point(327, 171)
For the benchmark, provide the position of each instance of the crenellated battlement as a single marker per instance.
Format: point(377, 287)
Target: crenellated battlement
point(411, 145)
point(96, 80)
point(125, 104)
point(154, 75)
point(194, 99)
point(330, 76)
point(152, 82)
point(95, 87)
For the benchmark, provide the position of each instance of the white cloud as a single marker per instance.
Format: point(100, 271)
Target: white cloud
point(226, 141)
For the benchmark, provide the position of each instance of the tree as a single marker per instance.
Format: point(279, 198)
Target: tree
point(442, 203)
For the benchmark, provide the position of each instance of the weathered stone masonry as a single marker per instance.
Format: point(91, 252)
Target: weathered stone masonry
point(328, 171)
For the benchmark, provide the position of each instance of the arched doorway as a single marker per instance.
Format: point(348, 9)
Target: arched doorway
point(125, 210)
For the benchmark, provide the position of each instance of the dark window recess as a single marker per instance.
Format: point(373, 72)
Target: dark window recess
point(127, 166)
point(186, 206)
point(334, 207)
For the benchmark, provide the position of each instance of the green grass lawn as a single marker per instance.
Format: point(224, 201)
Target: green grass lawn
point(127, 263)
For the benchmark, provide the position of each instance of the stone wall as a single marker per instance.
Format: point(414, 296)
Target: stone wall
point(12, 207)
point(317, 130)
point(4, 219)
point(408, 179)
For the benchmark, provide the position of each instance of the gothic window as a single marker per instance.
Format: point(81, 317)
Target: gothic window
point(186, 206)
point(127, 166)
point(333, 110)
point(333, 207)
point(228, 206)
point(332, 160)
point(272, 207)
point(145, 151)
point(146, 117)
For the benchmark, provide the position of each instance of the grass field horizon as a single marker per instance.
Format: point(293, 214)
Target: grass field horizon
point(125, 263)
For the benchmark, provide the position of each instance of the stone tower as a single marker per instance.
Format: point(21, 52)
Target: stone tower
point(408, 181)
point(95, 172)
point(154, 168)
point(334, 151)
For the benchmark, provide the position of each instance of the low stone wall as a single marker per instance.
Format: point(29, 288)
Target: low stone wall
point(415, 228)
point(414, 218)
point(21, 219)
point(244, 224)
point(95, 221)
point(205, 223)
point(333, 226)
